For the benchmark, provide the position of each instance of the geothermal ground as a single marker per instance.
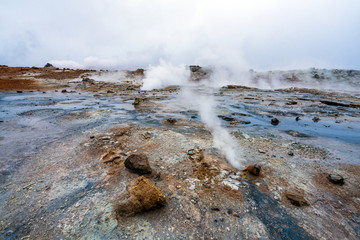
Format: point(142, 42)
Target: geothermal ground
point(65, 135)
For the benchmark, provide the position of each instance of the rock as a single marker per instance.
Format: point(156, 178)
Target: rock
point(253, 169)
point(291, 103)
point(261, 151)
point(48, 65)
point(196, 154)
point(19, 91)
point(336, 179)
point(275, 121)
point(297, 119)
point(316, 119)
point(63, 91)
point(297, 134)
point(147, 135)
point(142, 195)
point(297, 200)
point(290, 153)
point(226, 118)
point(171, 120)
point(138, 163)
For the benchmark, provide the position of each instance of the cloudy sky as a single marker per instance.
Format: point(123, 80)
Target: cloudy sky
point(258, 34)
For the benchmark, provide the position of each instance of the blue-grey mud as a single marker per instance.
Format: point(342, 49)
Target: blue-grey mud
point(64, 137)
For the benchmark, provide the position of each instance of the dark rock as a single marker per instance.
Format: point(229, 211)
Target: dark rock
point(92, 137)
point(215, 208)
point(142, 195)
point(291, 103)
point(297, 118)
point(171, 120)
point(138, 163)
point(244, 122)
point(316, 119)
point(253, 169)
point(158, 177)
point(48, 65)
point(147, 135)
point(336, 179)
point(19, 91)
point(275, 121)
point(63, 91)
point(226, 118)
point(109, 91)
point(297, 200)
point(290, 153)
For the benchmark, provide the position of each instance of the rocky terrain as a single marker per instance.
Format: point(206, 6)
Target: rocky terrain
point(89, 155)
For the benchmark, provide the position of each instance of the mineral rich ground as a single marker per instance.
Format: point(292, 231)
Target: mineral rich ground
point(65, 135)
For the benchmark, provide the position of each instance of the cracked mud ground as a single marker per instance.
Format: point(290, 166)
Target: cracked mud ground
point(62, 159)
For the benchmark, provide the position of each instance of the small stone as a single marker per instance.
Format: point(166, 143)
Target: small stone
point(147, 135)
point(64, 91)
point(19, 91)
point(261, 151)
point(171, 120)
point(138, 163)
point(275, 121)
point(297, 200)
point(92, 137)
point(196, 154)
point(215, 208)
point(290, 153)
point(336, 179)
point(253, 169)
point(316, 119)
point(297, 119)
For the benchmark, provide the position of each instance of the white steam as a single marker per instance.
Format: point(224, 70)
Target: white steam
point(205, 103)
point(165, 74)
point(200, 97)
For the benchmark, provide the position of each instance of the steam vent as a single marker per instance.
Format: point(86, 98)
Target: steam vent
point(91, 154)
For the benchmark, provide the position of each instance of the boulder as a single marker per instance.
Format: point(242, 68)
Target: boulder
point(253, 169)
point(138, 163)
point(296, 199)
point(142, 195)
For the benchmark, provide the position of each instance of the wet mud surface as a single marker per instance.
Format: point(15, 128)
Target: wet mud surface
point(63, 149)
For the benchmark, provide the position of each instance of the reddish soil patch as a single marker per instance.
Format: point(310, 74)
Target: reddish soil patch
point(10, 84)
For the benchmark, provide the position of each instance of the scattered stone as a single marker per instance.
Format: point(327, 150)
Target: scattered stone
point(275, 121)
point(245, 122)
point(138, 163)
point(147, 135)
point(291, 103)
point(253, 169)
point(261, 151)
point(137, 101)
point(158, 177)
point(297, 134)
point(142, 195)
point(19, 91)
point(196, 154)
point(297, 119)
point(215, 208)
point(297, 200)
point(109, 91)
point(92, 137)
point(226, 118)
point(64, 91)
point(336, 179)
point(316, 119)
point(171, 120)
point(290, 153)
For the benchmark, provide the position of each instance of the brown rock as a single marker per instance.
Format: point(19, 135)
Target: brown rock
point(143, 195)
point(138, 163)
point(297, 200)
point(253, 169)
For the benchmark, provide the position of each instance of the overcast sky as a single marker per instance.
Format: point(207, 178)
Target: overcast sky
point(258, 34)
